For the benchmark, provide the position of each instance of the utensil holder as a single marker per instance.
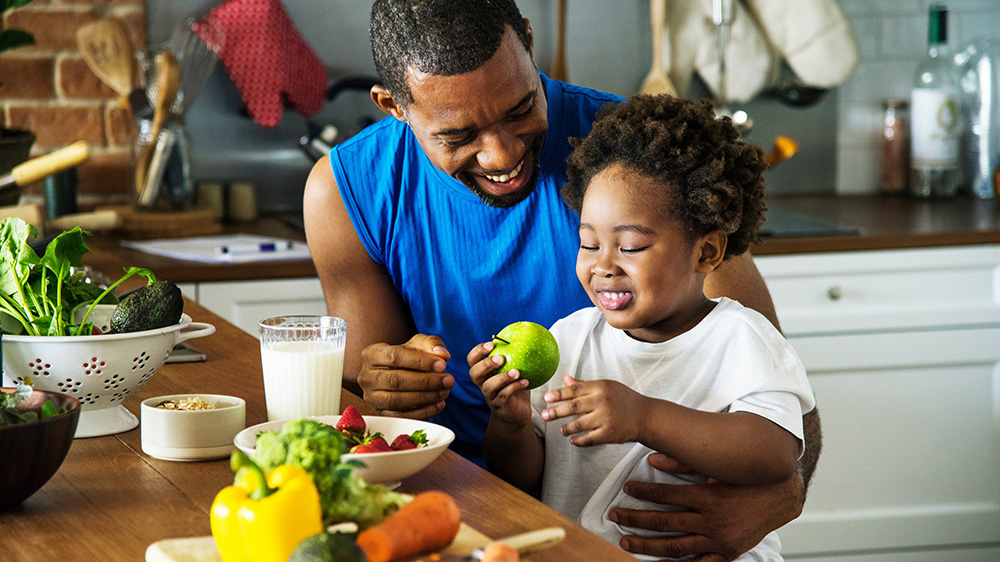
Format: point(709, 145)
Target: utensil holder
point(170, 185)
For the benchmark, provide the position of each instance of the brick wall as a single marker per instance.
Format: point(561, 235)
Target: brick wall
point(48, 89)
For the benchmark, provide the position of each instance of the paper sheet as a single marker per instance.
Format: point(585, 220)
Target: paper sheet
point(242, 248)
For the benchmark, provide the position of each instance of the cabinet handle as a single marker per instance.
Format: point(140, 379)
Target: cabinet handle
point(835, 292)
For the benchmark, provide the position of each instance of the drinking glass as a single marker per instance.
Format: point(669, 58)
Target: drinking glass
point(303, 362)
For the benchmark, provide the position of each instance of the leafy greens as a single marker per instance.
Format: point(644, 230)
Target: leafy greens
point(10, 414)
point(42, 293)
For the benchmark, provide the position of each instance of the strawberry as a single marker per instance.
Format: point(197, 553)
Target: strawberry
point(376, 444)
point(351, 421)
point(404, 441)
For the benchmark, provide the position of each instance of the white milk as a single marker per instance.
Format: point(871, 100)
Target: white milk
point(302, 378)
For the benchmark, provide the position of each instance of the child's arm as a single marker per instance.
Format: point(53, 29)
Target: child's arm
point(511, 448)
point(739, 448)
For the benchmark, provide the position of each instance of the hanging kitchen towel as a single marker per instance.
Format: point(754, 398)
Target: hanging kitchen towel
point(813, 36)
point(267, 58)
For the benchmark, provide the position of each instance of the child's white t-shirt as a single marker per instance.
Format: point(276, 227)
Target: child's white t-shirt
point(733, 360)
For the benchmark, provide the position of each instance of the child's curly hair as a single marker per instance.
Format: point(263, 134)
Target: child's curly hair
point(713, 178)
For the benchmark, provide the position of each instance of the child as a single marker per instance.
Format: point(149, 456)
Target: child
point(665, 193)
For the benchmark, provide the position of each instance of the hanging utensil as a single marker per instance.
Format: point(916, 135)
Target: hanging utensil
point(44, 166)
point(167, 81)
point(196, 42)
point(722, 17)
point(559, 71)
point(107, 49)
point(657, 81)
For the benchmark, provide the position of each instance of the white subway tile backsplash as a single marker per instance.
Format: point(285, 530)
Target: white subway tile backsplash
point(874, 81)
point(969, 27)
point(857, 171)
point(867, 35)
point(863, 126)
point(903, 36)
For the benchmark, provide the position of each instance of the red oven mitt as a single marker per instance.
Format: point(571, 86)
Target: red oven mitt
point(266, 57)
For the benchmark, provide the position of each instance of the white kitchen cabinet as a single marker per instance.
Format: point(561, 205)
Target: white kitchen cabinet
point(903, 353)
point(244, 303)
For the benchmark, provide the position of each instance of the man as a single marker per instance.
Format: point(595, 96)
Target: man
point(441, 224)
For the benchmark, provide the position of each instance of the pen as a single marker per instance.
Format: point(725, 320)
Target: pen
point(255, 247)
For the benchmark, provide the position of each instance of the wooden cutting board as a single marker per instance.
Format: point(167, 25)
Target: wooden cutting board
point(202, 549)
point(138, 224)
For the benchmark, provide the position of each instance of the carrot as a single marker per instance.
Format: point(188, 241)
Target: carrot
point(428, 523)
point(499, 552)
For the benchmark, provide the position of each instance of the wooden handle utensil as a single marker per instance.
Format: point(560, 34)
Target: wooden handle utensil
point(108, 51)
point(168, 78)
point(657, 81)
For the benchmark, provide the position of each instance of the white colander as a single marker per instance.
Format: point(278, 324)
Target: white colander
point(99, 371)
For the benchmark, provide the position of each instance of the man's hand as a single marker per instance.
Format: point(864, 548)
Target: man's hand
point(406, 381)
point(723, 520)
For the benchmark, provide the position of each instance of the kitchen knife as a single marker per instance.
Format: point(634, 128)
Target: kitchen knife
point(44, 166)
point(524, 544)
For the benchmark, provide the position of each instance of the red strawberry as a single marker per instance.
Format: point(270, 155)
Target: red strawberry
point(377, 444)
point(404, 441)
point(351, 421)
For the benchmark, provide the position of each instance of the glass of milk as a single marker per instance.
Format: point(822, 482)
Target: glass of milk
point(303, 362)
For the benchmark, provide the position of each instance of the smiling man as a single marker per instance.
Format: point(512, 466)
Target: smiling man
point(439, 225)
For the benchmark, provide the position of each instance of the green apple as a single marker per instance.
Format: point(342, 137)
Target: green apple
point(529, 348)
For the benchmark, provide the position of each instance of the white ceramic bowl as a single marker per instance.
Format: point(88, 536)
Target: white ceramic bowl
point(99, 371)
point(191, 435)
point(387, 468)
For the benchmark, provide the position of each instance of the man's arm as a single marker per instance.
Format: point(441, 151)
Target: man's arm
point(354, 286)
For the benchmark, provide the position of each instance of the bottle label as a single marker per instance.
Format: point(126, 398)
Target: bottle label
point(934, 128)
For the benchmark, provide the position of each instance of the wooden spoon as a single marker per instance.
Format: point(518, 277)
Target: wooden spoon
point(168, 79)
point(108, 51)
point(558, 71)
point(657, 81)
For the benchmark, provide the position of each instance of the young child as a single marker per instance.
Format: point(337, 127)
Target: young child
point(665, 193)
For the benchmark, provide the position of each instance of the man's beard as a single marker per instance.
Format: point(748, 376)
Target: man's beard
point(511, 199)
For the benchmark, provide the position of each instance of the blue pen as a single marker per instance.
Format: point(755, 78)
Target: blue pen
point(255, 247)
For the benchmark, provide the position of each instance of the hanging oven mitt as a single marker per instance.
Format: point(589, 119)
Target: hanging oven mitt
point(751, 64)
point(812, 36)
point(267, 58)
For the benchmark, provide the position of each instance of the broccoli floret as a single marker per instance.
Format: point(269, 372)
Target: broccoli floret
point(316, 448)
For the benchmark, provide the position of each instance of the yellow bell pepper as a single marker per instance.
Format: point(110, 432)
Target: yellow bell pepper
point(263, 517)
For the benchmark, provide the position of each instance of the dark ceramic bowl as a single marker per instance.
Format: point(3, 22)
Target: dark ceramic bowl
point(32, 452)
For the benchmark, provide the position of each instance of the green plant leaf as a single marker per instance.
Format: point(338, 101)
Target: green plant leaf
point(11, 4)
point(13, 38)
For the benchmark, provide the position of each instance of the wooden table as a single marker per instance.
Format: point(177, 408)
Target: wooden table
point(109, 500)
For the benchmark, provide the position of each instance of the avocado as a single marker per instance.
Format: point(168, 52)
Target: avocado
point(328, 547)
point(154, 306)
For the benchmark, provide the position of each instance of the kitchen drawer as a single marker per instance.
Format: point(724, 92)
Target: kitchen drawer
point(850, 292)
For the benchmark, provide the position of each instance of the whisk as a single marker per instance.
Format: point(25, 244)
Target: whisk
point(196, 42)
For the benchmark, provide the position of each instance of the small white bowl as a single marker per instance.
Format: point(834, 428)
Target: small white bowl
point(387, 468)
point(191, 435)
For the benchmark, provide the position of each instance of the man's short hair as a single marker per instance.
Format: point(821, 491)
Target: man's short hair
point(439, 37)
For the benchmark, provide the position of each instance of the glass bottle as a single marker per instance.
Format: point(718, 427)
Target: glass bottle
point(935, 118)
point(895, 147)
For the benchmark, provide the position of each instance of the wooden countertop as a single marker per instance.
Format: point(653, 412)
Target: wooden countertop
point(109, 501)
point(886, 223)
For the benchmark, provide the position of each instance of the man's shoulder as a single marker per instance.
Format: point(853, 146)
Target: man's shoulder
point(581, 94)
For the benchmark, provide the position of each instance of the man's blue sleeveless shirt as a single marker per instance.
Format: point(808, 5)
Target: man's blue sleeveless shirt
point(465, 269)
